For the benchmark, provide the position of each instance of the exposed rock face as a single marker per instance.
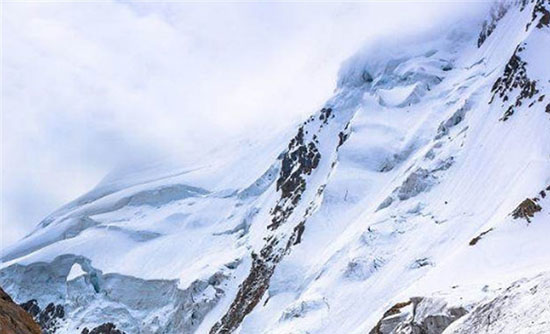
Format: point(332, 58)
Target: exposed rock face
point(526, 210)
point(106, 328)
point(475, 240)
point(497, 12)
point(49, 318)
point(250, 293)
point(14, 319)
point(300, 159)
point(391, 318)
point(541, 12)
point(515, 86)
point(514, 77)
point(530, 206)
point(419, 315)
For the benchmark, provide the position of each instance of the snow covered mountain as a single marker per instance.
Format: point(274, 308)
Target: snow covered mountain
point(417, 200)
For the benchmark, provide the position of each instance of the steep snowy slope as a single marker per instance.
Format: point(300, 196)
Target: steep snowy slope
point(416, 200)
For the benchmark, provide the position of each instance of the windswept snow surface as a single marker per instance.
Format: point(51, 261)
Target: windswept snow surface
point(402, 185)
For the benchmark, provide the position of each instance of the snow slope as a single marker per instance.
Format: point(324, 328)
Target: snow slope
point(417, 197)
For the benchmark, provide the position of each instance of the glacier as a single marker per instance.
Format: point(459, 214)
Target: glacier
point(416, 200)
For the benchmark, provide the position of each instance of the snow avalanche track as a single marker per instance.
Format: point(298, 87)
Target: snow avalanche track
point(416, 200)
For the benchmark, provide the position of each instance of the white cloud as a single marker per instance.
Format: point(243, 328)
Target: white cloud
point(89, 85)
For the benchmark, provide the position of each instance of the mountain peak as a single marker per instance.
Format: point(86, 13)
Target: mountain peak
point(392, 208)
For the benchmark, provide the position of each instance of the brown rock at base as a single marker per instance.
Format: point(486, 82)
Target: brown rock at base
point(13, 319)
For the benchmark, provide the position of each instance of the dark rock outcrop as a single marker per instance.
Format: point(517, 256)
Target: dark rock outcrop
point(49, 318)
point(300, 159)
point(475, 240)
point(106, 328)
point(526, 210)
point(514, 77)
point(497, 12)
point(540, 10)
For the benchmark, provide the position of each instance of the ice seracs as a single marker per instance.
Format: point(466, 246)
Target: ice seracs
point(75, 272)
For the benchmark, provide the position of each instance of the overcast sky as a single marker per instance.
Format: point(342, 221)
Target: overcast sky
point(87, 86)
